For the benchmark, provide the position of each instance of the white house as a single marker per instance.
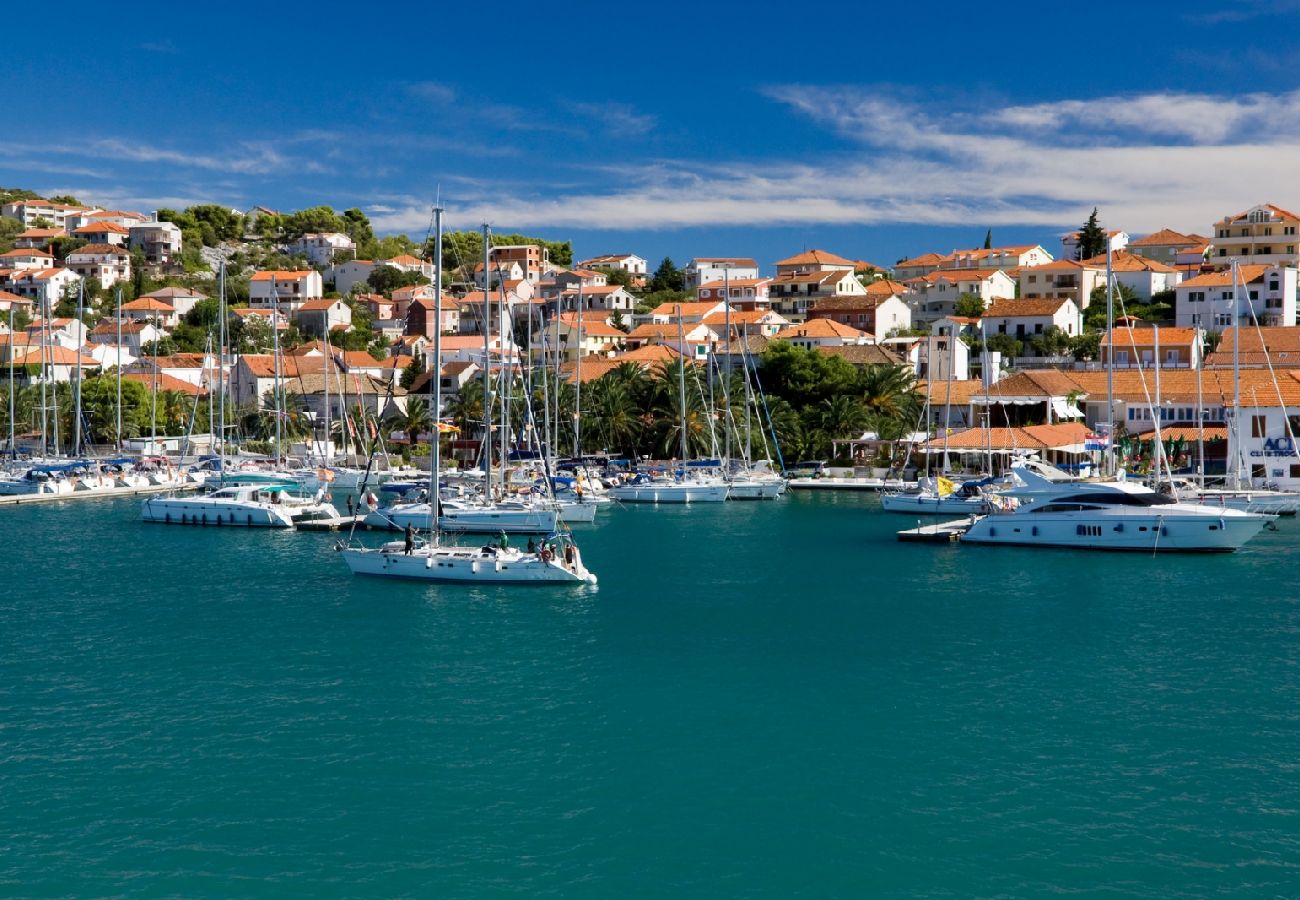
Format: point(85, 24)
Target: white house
point(286, 290)
point(160, 241)
point(1023, 319)
point(627, 262)
point(347, 275)
point(1140, 274)
point(1063, 278)
point(321, 248)
point(150, 309)
point(997, 258)
point(704, 269)
point(321, 316)
point(134, 335)
point(609, 297)
point(30, 212)
point(45, 286)
point(1070, 243)
point(26, 258)
point(934, 295)
point(102, 264)
point(687, 313)
point(104, 233)
point(1263, 234)
point(1211, 301)
point(794, 293)
point(182, 300)
point(594, 336)
point(741, 293)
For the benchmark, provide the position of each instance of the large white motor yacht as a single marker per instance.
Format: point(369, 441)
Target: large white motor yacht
point(1115, 515)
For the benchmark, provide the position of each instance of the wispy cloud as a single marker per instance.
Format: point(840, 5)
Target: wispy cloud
point(1037, 165)
point(432, 90)
point(1245, 11)
point(163, 46)
point(619, 120)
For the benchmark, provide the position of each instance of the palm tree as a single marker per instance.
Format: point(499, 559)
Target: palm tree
point(615, 416)
point(415, 420)
point(891, 399)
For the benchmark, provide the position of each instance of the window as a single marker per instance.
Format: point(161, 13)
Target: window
point(1196, 296)
point(1033, 279)
point(1223, 251)
point(1259, 426)
point(1272, 285)
point(1038, 328)
point(1289, 229)
point(1295, 470)
point(1226, 295)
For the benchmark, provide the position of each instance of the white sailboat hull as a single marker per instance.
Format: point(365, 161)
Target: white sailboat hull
point(670, 493)
point(464, 566)
point(755, 489)
point(933, 505)
point(476, 520)
point(1185, 528)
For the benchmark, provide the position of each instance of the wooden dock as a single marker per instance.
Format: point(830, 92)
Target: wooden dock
point(938, 533)
point(97, 494)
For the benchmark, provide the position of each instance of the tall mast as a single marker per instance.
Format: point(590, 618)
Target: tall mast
point(329, 359)
point(681, 383)
point(1110, 361)
point(13, 446)
point(726, 378)
point(221, 360)
point(76, 424)
point(1200, 409)
point(275, 344)
point(1236, 381)
point(435, 382)
point(577, 382)
point(487, 371)
point(153, 408)
point(1158, 451)
point(45, 374)
point(506, 374)
point(118, 296)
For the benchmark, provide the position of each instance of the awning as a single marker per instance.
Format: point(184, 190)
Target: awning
point(1064, 409)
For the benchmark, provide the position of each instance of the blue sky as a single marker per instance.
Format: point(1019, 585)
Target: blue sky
point(876, 131)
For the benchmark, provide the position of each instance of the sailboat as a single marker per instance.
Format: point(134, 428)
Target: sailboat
point(746, 480)
point(682, 486)
point(556, 560)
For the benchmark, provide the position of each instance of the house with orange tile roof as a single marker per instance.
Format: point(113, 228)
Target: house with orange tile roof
point(533, 260)
point(1170, 247)
point(104, 233)
point(1029, 397)
point(30, 212)
point(180, 299)
point(626, 262)
point(917, 266)
point(502, 270)
point(740, 293)
point(794, 293)
point(113, 216)
point(46, 286)
point(1003, 258)
point(1278, 345)
point(814, 261)
point(1060, 443)
point(102, 264)
point(1143, 276)
point(934, 295)
point(873, 313)
point(1265, 294)
point(284, 290)
point(1135, 346)
point(1265, 442)
point(704, 269)
point(422, 311)
point(10, 301)
point(26, 258)
point(52, 365)
point(134, 335)
point(1063, 278)
point(37, 238)
point(692, 339)
point(322, 316)
point(1025, 319)
point(943, 355)
point(746, 322)
point(149, 309)
point(1264, 234)
point(686, 313)
point(822, 333)
point(254, 375)
point(592, 336)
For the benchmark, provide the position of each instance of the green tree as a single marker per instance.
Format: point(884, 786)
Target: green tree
point(1005, 344)
point(988, 239)
point(1092, 240)
point(968, 306)
point(413, 370)
point(9, 229)
point(1086, 347)
point(667, 277)
point(386, 279)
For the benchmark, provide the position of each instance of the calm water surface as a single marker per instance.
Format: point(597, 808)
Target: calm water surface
point(758, 700)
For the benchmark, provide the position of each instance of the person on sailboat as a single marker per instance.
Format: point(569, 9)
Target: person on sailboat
point(410, 539)
point(504, 541)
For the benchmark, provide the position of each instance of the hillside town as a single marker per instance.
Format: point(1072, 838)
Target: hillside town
point(1001, 348)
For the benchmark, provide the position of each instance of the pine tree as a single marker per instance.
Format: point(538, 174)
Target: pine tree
point(1092, 240)
point(988, 240)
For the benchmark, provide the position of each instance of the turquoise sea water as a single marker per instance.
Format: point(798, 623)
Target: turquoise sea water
point(758, 700)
